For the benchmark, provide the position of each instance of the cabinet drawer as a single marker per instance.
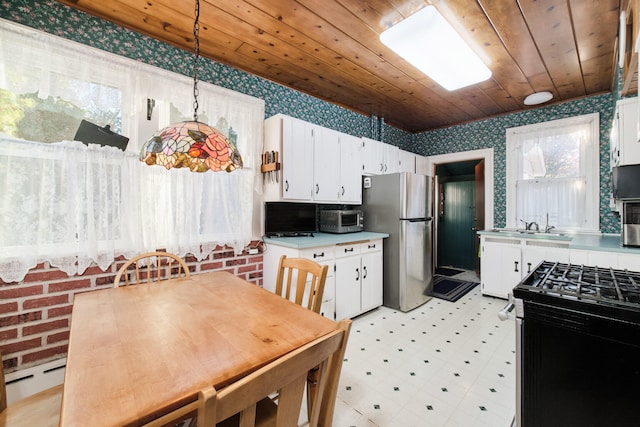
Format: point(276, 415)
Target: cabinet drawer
point(371, 246)
point(318, 254)
point(347, 249)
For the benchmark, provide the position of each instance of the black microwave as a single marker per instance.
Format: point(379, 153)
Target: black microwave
point(625, 182)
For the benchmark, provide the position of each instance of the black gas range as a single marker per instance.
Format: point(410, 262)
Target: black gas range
point(578, 346)
point(603, 291)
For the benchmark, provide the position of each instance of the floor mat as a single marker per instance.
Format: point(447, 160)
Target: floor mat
point(450, 289)
point(448, 271)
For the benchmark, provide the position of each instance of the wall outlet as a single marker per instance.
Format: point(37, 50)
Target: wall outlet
point(253, 251)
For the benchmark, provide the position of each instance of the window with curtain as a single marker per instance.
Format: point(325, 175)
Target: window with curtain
point(553, 174)
point(72, 204)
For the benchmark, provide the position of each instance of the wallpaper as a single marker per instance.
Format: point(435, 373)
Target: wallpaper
point(491, 133)
point(55, 18)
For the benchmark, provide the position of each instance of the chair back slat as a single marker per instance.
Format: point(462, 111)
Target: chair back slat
point(246, 402)
point(151, 267)
point(304, 278)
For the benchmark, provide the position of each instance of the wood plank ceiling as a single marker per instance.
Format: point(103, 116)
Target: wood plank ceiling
point(330, 49)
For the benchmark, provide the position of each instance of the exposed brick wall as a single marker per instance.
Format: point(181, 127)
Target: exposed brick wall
point(35, 314)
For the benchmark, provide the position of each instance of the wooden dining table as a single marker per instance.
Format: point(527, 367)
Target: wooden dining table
point(137, 352)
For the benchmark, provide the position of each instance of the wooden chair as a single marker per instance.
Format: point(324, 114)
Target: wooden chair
point(307, 284)
point(155, 266)
point(41, 409)
point(246, 402)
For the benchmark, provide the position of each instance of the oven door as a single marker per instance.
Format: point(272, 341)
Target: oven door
point(517, 420)
point(576, 369)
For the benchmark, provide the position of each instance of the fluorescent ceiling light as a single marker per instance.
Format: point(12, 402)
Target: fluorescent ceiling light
point(427, 41)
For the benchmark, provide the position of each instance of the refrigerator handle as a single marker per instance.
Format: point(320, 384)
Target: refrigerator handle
point(426, 219)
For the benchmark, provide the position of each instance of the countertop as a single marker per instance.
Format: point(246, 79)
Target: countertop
point(322, 239)
point(590, 242)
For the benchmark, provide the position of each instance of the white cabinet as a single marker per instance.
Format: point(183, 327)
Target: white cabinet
point(349, 276)
point(354, 278)
point(372, 163)
point(358, 278)
point(605, 259)
point(594, 258)
point(317, 164)
point(379, 158)
point(500, 266)
point(371, 261)
point(406, 161)
point(293, 140)
point(422, 165)
point(629, 262)
point(625, 148)
point(326, 165)
point(322, 255)
point(350, 190)
point(536, 251)
point(505, 261)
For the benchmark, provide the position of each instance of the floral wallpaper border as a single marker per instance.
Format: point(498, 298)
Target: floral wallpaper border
point(55, 18)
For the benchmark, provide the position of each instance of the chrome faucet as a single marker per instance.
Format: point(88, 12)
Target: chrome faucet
point(548, 227)
point(529, 225)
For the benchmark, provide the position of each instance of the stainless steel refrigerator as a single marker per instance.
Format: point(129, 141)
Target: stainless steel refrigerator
point(400, 204)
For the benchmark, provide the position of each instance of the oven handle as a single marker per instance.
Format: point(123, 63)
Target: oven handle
point(518, 417)
point(504, 313)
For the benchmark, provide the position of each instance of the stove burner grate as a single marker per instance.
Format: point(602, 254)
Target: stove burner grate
point(585, 282)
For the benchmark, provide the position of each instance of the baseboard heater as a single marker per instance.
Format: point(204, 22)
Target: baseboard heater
point(26, 382)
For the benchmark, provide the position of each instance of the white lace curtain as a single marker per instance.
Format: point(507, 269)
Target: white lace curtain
point(552, 169)
point(73, 205)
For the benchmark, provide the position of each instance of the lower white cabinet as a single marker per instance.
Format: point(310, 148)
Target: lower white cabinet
point(354, 279)
point(371, 260)
point(536, 251)
point(500, 265)
point(594, 258)
point(358, 278)
point(505, 261)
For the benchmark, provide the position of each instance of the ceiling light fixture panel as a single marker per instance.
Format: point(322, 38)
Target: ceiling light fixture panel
point(427, 41)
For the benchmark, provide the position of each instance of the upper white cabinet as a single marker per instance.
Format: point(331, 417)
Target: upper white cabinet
point(317, 164)
point(293, 140)
point(625, 148)
point(422, 165)
point(379, 158)
point(350, 190)
point(326, 165)
point(407, 161)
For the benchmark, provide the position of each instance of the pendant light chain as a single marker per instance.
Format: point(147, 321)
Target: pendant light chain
point(196, 38)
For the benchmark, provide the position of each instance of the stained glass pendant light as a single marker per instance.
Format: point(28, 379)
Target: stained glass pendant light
point(192, 144)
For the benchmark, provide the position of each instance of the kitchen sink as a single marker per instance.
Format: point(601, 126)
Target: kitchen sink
point(528, 232)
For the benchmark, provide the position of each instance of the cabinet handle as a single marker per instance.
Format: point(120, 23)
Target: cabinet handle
point(385, 167)
point(286, 185)
point(381, 167)
point(516, 269)
point(348, 250)
point(318, 255)
point(342, 190)
point(371, 246)
point(365, 272)
point(357, 274)
point(317, 188)
point(528, 267)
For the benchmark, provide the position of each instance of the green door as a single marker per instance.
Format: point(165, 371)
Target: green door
point(456, 237)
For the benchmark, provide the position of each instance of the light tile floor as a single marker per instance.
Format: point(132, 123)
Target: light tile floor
point(442, 364)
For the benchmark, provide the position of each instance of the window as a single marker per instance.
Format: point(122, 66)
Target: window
point(553, 174)
point(71, 204)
